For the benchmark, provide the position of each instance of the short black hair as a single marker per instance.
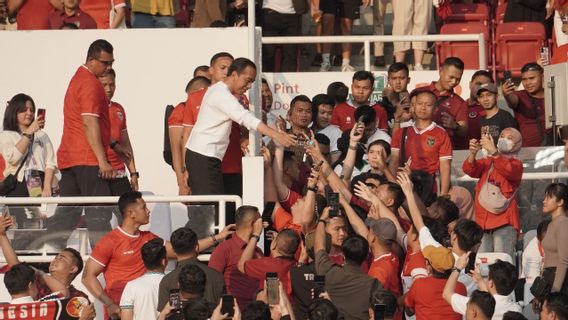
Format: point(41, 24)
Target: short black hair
point(256, 310)
point(468, 234)
point(484, 301)
point(338, 91)
point(301, 98)
point(483, 73)
point(288, 242)
point(396, 191)
point(18, 278)
point(504, 275)
point(184, 241)
point(97, 47)
point(513, 315)
point(318, 100)
point(219, 55)
point(363, 75)
point(202, 68)
point(382, 143)
point(367, 112)
point(68, 25)
point(559, 191)
point(396, 67)
point(557, 303)
point(16, 105)
point(197, 309)
point(454, 62)
point(77, 260)
point(192, 279)
point(541, 229)
point(200, 80)
point(322, 139)
point(243, 212)
point(451, 210)
point(438, 229)
point(153, 253)
point(355, 249)
point(127, 199)
point(322, 309)
point(239, 65)
point(532, 66)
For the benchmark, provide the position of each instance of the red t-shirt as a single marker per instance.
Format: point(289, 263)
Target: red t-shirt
point(225, 259)
point(257, 268)
point(284, 220)
point(414, 267)
point(530, 115)
point(425, 148)
point(292, 197)
point(385, 269)
point(34, 15)
point(117, 118)
point(119, 254)
point(192, 105)
point(425, 297)
point(176, 117)
point(344, 116)
point(475, 113)
point(85, 96)
point(80, 19)
point(100, 10)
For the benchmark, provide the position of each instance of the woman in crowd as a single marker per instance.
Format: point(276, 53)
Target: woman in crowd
point(555, 242)
point(499, 174)
point(27, 151)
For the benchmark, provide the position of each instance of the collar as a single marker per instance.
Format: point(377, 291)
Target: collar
point(351, 103)
point(184, 262)
point(21, 300)
point(128, 234)
point(382, 256)
point(351, 268)
point(438, 93)
point(428, 128)
point(84, 66)
point(503, 299)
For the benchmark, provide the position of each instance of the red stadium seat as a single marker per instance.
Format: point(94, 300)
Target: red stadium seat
point(500, 12)
point(472, 12)
point(517, 43)
point(467, 51)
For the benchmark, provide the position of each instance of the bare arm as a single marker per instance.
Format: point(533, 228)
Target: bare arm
point(349, 162)
point(354, 219)
point(14, 6)
point(126, 314)
point(208, 242)
point(407, 187)
point(445, 172)
point(508, 89)
point(184, 139)
point(278, 174)
point(90, 281)
point(119, 16)
point(248, 253)
point(450, 287)
point(93, 134)
point(393, 164)
point(7, 249)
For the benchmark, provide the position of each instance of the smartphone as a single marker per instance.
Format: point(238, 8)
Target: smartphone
point(175, 300)
point(379, 311)
point(484, 270)
point(360, 120)
point(544, 55)
point(471, 262)
point(333, 204)
point(41, 113)
point(272, 288)
point(508, 76)
point(319, 286)
point(228, 305)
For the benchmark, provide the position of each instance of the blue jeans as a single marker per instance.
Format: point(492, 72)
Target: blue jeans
point(503, 239)
point(144, 20)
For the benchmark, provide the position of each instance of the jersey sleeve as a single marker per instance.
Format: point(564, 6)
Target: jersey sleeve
point(102, 253)
point(91, 99)
point(218, 259)
point(123, 120)
point(176, 117)
point(188, 116)
point(396, 140)
point(254, 269)
point(446, 150)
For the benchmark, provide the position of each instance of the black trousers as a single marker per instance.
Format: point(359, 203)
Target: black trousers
point(205, 175)
point(233, 184)
point(21, 191)
point(275, 24)
point(80, 181)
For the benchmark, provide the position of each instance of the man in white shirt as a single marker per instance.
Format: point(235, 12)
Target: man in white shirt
point(322, 110)
point(500, 282)
point(210, 135)
point(140, 296)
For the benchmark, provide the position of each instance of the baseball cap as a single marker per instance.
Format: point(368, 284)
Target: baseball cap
point(440, 258)
point(383, 229)
point(491, 87)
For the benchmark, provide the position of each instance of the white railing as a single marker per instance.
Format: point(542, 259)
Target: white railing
point(368, 39)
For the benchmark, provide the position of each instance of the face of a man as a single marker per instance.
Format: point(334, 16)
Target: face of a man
point(301, 114)
point(361, 91)
point(219, 69)
point(398, 81)
point(337, 230)
point(470, 312)
point(267, 98)
point(323, 118)
point(545, 314)
point(424, 106)
point(109, 85)
point(62, 263)
point(476, 83)
point(71, 4)
point(242, 82)
point(532, 81)
point(102, 64)
point(140, 212)
point(488, 100)
point(450, 77)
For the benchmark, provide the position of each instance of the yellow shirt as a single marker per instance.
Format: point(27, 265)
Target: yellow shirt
point(156, 7)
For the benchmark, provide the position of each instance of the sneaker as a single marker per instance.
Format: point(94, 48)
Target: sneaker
point(418, 67)
point(347, 68)
point(379, 62)
point(317, 60)
point(325, 66)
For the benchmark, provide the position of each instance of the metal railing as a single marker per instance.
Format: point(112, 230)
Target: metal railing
point(368, 39)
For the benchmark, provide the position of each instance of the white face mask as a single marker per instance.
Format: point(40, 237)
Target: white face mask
point(505, 145)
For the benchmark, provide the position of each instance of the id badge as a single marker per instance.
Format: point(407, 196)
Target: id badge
point(33, 182)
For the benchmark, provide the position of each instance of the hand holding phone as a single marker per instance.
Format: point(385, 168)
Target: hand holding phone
point(379, 311)
point(175, 300)
point(228, 305)
point(41, 116)
point(272, 289)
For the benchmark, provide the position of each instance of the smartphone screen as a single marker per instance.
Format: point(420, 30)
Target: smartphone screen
point(333, 203)
point(484, 270)
point(379, 311)
point(175, 299)
point(272, 288)
point(471, 262)
point(228, 304)
point(508, 75)
point(319, 285)
point(41, 113)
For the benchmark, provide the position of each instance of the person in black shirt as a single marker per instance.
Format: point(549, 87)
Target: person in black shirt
point(494, 119)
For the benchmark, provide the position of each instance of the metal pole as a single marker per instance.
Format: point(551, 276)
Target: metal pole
point(482, 53)
point(254, 94)
point(367, 46)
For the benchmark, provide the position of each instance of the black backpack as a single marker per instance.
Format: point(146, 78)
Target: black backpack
point(167, 147)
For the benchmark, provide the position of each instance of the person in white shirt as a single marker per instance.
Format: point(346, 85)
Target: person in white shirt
point(322, 110)
point(500, 283)
point(139, 299)
point(210, 135)
point(19, 282)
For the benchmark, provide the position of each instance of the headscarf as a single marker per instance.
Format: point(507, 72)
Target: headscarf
point(517, 141)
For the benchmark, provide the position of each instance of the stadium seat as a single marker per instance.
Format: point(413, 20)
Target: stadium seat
point(500, 12)
point(517, 43)
point(491, 257)
point(467, 51)
point(471, 12)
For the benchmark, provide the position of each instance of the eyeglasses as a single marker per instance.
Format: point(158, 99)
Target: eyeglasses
point(105, 62)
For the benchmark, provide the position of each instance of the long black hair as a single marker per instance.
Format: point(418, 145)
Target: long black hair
point(16, 105)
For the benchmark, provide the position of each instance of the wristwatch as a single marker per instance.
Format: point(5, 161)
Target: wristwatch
point(135, 173)
point(457, 269)
point(27, 135)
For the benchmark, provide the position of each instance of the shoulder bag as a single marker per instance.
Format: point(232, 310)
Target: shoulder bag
point(491, 198)
point(10, 181)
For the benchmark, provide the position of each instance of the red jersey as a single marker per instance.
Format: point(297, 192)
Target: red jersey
point(475, 113)
point(344, 116)
point(176, 117)
point(100, 10)
point(425, 297)
point(385, 269)
point(414, 267)
point(80, 19)
point(119, 254)
point(284, 220)
point(530, 117)
point(257, 268)
point(506, 174)
point(85, 97)
point(425, 147)
point(117, 118)
point(192, 105)
point(34, 15)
